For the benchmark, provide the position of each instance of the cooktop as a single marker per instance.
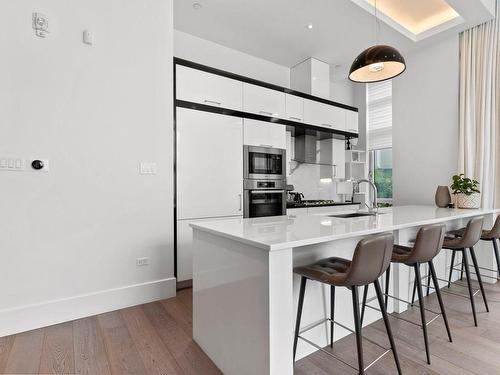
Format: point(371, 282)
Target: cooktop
point(315, 203)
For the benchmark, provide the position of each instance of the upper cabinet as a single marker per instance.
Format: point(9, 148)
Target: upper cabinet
point(324, 115)
point(264, 134)
point(263, 101)
point(352, 122)
point(294, 108)
point(197, 86)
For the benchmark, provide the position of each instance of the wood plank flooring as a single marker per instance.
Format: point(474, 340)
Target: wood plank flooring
point(156, 339)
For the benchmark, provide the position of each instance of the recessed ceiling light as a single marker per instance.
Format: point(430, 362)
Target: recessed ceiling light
point(197, 6)
point(310, 26)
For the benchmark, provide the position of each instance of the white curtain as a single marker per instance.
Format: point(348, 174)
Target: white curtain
point(479, 145)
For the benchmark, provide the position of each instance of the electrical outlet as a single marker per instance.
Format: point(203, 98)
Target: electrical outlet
point(139, 262)
point(147, 168)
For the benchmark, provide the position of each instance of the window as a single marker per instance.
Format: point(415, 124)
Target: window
point(381, 173)
point(379, 103)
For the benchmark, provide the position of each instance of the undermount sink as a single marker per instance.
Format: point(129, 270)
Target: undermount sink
point(354, 214)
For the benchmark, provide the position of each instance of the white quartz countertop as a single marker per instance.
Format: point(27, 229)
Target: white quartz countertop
point(282, 232)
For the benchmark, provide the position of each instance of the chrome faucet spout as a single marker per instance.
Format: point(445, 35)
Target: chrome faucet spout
point(374, 207)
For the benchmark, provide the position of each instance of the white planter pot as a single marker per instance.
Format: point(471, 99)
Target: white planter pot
point(468, 201)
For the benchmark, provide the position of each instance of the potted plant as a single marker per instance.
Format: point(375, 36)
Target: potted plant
point(466, 191)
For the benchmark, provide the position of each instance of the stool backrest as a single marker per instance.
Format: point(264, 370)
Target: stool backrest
point(472, 233)
point(371, 258)
point(495, 231)
point(428, 243)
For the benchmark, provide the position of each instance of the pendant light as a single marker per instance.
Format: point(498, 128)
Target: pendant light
point(377, 63)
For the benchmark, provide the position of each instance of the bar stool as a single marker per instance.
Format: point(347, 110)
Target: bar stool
point(370, 260)
point(486, 235)
point(427, 245)
point(470, 236)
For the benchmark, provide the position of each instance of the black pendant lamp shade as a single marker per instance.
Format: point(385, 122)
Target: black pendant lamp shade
point(377, 63)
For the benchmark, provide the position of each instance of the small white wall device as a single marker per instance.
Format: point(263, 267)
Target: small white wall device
point(40, 24)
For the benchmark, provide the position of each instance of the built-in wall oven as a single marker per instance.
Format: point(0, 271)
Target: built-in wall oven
point(264, 163)
point(264, 183)
point(264, 198)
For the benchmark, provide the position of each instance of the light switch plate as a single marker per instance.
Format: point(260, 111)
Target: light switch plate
point(147, 168)
point(14, 164)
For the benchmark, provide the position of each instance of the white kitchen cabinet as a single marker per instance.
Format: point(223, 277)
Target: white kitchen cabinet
point(352, 122)
point(324, 115)
point(209, 164)
point(294, 108)
point(206, 88)
point(185, 247)
point(339, 158)
point(264, 134)
point(263, 101)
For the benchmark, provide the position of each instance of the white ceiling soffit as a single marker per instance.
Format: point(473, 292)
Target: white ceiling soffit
point(418, 20)
point(276, 30)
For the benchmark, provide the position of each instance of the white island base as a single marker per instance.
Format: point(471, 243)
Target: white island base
point(245, 294)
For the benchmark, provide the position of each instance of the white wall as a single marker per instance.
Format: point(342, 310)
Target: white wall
point(425, 123)
point(70, 238)
point(205, 52)
point(342, 91)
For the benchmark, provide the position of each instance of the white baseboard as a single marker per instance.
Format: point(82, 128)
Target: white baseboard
point(25, 318)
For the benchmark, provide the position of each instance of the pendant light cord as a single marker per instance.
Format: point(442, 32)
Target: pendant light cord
point(376, 23)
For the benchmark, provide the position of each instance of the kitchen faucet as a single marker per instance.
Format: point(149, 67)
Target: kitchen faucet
point(374, 207)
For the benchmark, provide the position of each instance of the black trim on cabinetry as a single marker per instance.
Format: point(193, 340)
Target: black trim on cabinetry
point(253, 116)
point(174, 108)
point(209, 69)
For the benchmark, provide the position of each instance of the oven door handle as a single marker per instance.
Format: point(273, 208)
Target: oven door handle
point(267, 191)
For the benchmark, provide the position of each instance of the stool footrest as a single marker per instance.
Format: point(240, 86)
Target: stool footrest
point(333, 355)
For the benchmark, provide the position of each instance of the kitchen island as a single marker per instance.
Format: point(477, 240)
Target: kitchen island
point(245, 293)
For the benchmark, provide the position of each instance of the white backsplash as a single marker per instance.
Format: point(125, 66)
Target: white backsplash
point(306, 180)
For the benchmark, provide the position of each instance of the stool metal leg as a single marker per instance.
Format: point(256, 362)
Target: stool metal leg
point(497, 256)
point(451, 267)
point(332, 313)
point(302, 291)
point(363, 305)
point(414, 291)
point(357, 326)
point(471, 292)
point(387, 280)
point(422, 310)
point(478, 275)
point(435, 281)
point(387, 324)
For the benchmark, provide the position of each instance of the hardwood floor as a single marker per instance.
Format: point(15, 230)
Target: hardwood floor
point(156, 339)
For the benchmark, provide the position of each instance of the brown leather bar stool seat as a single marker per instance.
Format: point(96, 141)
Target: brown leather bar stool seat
point(427, 245)
point(469, 237)
point(492, 235)
point(370, 260)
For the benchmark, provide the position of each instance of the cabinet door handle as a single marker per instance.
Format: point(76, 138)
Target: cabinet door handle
point(295, 118)
point(267, 146)
point(266, 113)
point(212, 102)
point(328, 125)
point(241, 202)
point(334, 170)
point(353, 130)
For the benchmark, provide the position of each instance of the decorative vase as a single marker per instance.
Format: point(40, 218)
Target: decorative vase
point(443, 197)
point(469, 201)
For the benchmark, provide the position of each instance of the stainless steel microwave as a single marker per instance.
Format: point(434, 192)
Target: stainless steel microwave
point(264, 163)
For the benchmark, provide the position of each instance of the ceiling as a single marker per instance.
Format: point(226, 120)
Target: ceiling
point(416, 16)
point(276, 30)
